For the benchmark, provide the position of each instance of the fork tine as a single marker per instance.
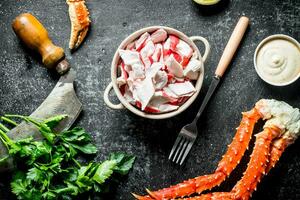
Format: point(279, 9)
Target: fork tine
point(179, 149)
point(182, 150)
point(190, 144)
point(174, 146)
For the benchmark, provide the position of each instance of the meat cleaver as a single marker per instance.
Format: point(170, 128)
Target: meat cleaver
point(61, 100)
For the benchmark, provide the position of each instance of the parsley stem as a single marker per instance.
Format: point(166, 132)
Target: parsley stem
point(28, 119)
point(17, 116)
point(4, 138)
point(5, 144)
point(4, 158)
point(4, 128)
point(9, 121)
point(76, 162)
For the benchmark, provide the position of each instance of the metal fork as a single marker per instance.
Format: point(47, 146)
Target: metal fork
point(189, 132)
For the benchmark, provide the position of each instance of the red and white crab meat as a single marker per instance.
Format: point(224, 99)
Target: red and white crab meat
point(157, 72)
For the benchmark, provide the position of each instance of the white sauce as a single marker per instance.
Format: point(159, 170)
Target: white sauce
point(281, 115)
point(278, 61)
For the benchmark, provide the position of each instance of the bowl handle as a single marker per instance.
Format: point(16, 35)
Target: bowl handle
point(206, 44)
point(107, 101)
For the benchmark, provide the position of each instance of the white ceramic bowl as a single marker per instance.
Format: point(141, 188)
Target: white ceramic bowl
point(263, 42)
point(124, 103)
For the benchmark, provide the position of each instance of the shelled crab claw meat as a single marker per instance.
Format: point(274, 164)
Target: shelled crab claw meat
point(158, 63)
point(281, 129)
point(80, 22)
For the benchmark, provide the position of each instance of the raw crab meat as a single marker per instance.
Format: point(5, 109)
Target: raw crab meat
point(156, 72)
point(80, 22)
point(280, 130)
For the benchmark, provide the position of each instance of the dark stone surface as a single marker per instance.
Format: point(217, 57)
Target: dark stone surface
point(24, 84)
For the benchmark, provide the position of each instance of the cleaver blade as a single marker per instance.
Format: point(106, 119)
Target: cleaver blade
point(61, 100)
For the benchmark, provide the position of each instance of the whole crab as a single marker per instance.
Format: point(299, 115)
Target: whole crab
point(280, 130)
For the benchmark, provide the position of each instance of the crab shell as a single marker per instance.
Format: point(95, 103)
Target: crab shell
point(80, 22)
point(282, 115)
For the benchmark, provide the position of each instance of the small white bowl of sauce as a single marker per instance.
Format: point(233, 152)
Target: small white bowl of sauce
point(277, 60)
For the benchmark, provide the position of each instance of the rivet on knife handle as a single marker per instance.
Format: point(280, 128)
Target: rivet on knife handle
point(34, 35)
point(232, 45)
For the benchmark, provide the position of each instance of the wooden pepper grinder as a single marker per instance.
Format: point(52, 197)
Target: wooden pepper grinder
point(34, 35)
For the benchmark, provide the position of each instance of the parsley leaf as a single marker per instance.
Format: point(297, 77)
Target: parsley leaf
point(78, 139)
point(124, 162)
point(104, 171)
point(50, 169)
point(52, 122)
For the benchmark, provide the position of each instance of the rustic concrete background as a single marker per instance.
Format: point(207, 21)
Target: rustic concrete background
point(24, 84)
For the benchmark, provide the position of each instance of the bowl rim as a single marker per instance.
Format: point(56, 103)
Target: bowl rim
point(116, 58)
point(263, 42)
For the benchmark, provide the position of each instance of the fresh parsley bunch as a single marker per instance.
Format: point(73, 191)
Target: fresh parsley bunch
point(50, 169)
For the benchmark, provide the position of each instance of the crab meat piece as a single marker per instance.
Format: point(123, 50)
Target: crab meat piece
point(154, 69)
point(194, 65)
point(168, 92)
point(182, 89)
point(174, 41)
point(161, 94)
point(163, 108)
point(166, 47)
point(130, 57)
point(174, 67)
point(163, 97)
point(157, 55)
point(137, 72)
point(170, 45)
point(184, 49)
point(158, 98)
point(127, 68)
point(179, 80)
point(144, 91)
point(80, 22)
point(193, 75)
point(130, 84)
point(159, 36)
point(159, 103)
point(130, 46)
point(128, 95)
point(146, 53)
point(191, 69)
point(177, 57)
point(140, 43)
point(121, 80)
point(160, 80)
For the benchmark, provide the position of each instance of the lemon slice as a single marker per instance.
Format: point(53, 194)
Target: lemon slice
point(207, 2)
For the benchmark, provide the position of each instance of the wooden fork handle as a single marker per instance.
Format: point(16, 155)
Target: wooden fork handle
point(232, 45)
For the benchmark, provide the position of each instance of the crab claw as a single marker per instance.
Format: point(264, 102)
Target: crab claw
point(80, 22)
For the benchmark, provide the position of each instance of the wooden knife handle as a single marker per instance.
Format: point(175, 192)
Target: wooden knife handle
point(34, 35)
point(232, 45)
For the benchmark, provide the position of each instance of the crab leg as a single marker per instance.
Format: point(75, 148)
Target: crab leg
point(212, 196)
point(277, 148)
point(230, 160)
point(256, 168)
point(257, 164)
